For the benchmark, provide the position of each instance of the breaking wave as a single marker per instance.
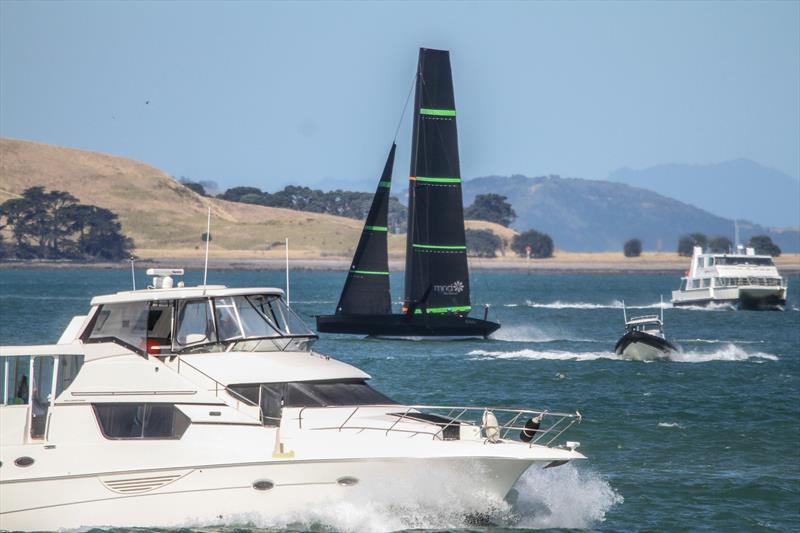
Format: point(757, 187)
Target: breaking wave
point(728, 352)
point(563, 497)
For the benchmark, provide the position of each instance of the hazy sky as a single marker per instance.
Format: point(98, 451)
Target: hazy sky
point(264, 94)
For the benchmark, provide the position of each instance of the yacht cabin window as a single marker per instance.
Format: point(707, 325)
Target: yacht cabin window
point(140, 420)
point(273, 396)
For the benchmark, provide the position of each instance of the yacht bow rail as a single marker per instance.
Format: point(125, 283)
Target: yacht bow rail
point(508, 421)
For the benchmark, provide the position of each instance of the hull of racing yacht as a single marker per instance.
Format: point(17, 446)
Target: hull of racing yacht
point(440, 325)
point(290, 491)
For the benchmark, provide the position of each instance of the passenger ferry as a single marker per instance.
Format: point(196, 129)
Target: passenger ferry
point(743, 280)
point(206, 405)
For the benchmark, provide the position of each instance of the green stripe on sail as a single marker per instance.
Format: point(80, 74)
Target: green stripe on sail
point(438, 247)
point(385, 184)
point(376, 228)
point(435, 310)
point(370, 272)
point(437, 180)
point(437, 112)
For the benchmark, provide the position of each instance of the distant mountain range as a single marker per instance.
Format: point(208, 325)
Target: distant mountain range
point(595, 215)
point(739, 188)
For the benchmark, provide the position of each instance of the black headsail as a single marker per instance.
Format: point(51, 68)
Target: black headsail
point(366, 290)
point(437, 277)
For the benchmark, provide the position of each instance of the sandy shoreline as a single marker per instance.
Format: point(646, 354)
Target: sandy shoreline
point(592, 263)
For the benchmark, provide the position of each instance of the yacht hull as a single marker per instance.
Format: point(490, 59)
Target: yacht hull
point(438, 325)
point(643, 346)
point(216, 495)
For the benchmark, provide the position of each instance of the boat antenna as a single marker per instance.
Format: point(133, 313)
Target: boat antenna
point(662, 308)
point(208, 240)
point(133, 272)
point(287, 272)
point(405, 106)
point(624, 314)
point(735, 234)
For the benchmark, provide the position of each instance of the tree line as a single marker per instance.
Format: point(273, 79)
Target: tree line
point(762, 244)
point(54, 225)
point(350, 204)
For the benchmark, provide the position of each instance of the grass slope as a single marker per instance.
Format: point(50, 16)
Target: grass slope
point(166, 219)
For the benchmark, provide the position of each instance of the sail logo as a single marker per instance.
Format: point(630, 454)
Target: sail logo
point(457, 287)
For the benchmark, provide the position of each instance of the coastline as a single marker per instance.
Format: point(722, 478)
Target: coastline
point(564, 262)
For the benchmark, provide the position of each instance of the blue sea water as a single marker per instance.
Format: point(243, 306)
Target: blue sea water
point(708, 440)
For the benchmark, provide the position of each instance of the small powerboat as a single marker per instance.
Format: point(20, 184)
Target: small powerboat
point(644, 338)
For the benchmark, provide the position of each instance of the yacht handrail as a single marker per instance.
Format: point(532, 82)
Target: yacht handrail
point(240, 399)
point(42, 349)
point(563, 420)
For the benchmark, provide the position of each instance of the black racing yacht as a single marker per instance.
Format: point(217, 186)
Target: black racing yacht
point(437, 297)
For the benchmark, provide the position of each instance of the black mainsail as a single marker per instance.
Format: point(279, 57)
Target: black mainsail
point(437, 276)
point(366, 290)
point(437, 301)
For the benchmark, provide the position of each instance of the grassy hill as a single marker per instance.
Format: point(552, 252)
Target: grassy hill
point(166, 219)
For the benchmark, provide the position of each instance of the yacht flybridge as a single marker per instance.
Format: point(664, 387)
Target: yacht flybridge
point(203, 405)
point(743, 279)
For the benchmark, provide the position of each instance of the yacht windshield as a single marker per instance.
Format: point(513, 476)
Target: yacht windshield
point(258, 322)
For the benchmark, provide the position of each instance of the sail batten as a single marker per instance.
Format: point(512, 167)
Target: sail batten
point(366, 290)
point(437, 275)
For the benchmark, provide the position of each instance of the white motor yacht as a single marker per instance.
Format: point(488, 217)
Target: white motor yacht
point(203, 405)
point(743, 280)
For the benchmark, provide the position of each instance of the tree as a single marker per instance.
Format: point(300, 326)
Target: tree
point(764, 246)
point(632, 248)
point(53, 225)
point(687, 243)
point(196, 187)
point(541, 244)
point(235, 194)
point(482, 243)
point(720, 245)
point(491, 207)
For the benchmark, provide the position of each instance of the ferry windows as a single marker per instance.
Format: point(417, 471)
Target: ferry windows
point(125, 322)
point(195, 323)
point(140, 420)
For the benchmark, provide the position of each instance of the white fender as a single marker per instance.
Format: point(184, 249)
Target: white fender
point(491, 429)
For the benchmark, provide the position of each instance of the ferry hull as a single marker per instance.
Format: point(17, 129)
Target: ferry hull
point(444, 325)
point(753, 299)
point(225, 495)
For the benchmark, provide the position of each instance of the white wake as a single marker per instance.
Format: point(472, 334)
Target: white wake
point(727, 352)
point(562, 497)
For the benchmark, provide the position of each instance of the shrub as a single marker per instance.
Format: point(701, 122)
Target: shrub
point(541, 244)
point(482, 243)
point(764, 246)
point(720, 244)
point(687, 242)
point(632, 248)
point(491, 207)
